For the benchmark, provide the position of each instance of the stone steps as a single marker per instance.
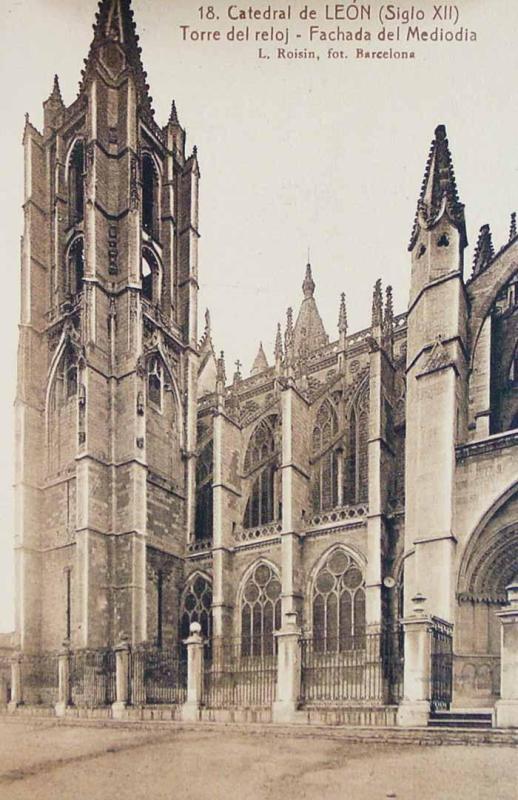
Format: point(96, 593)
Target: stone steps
point(472, 720)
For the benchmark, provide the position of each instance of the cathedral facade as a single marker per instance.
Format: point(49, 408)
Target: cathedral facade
point(341, 484)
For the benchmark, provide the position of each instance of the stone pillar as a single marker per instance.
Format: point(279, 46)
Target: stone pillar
point(289, 669)
point(195, 668)
point(16, 683)
point(506, 709)
point(63, 680)
point(122, 684)
point(415, 707)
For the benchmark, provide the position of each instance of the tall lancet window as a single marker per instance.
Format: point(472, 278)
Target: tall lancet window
point(76, 183)
point(155, 383)
point(76, 266)
point(260, 464)
point(325, 459)
point(356, 488)
point(260, 611)
point(197, 606)
point(150, 201)
point(204, 477)
point(339, 605)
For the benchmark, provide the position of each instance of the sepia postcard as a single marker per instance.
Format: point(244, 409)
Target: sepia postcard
point(259, 475)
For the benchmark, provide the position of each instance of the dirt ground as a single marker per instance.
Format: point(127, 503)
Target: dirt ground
point(45, 760)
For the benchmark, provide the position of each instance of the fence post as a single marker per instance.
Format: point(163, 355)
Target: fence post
point(414, 710)
point(289, 670)
point(506, 709)
point(122, 686)
point(63, 680)
point(195, 670)
point(16, 683)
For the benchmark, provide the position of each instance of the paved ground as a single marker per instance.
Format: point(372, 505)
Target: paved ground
point(45, 760)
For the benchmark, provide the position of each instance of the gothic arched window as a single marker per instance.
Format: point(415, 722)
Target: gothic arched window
point(260, 611)
point(150, 276)
point(196, 606)
point(356, 489)
point(150, 186)
point(339, 605)
point(325, 469)
point(260, 465)
point(204, 466)
point(155, 382)
point(76, 171)
point(76, 266)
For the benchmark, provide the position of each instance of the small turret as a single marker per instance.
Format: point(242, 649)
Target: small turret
point(53, 108)
point(377, 305)
point(221, 377)
point(175, 134)
point(309, 332)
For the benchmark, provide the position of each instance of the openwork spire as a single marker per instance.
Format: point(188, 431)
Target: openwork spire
point(484, 251)
point(342, 315)
point(512, 227)
point(439, 190)
point(377, 305)
point(55, 95)
point(115, 46)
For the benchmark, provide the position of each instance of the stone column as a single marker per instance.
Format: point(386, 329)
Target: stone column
point(16, 683)
point(63, 680)
point(506, 709)
point(288, 669)
point(195, 668)
point(415, 707)
point(122, 685)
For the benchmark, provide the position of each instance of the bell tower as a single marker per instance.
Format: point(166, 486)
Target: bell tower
point(436, 381)
point(107, 364)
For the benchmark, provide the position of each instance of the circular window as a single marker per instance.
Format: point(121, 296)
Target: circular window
point(325, 582)
point(338, 563)
point(262, 574)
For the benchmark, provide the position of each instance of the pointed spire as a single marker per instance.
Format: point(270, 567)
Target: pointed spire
point(484, 251)
point(173, 116)
point(114, 25)
point(342, 315)
point(55, 95)
point(260, 361)
point(308, 286)
point(512, 227)
point(439, 187)
point(377, 305)
point(388, 323)
point(278, 344)
point(206, 339)
point(288, 335)
point(220, 374)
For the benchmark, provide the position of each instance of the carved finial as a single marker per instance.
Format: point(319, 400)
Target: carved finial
point(237, 373)
point(512, 227)
point(308, 285)
point(194, 152)
point(484, 251)
point(388, 323)
point(377, 305)
point(389, 307)
point(220, 374)
point(173, 116)
point(207, 321)
point(342, 315)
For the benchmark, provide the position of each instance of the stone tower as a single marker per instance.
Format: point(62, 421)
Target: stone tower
point(436, 382)
point(107, 363)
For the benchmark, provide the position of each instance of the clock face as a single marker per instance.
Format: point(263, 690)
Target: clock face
point(389, 582)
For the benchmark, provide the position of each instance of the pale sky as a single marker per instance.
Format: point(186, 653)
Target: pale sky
point(294, 154)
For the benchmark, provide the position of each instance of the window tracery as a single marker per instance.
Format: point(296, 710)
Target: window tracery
point(196, 606)
point(150, 187)
point(326, 467)
point(260, 611)
point(260, 461)
point(76, 172)
point(338, 610)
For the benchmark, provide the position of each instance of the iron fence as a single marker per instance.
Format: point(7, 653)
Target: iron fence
point(234, 678)
point(441, 665)
point(158, 674)
point(40, 678)
point(92, 678)
point(366, 667)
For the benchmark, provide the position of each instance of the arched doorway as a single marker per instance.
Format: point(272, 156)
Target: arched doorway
point(489, 564)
